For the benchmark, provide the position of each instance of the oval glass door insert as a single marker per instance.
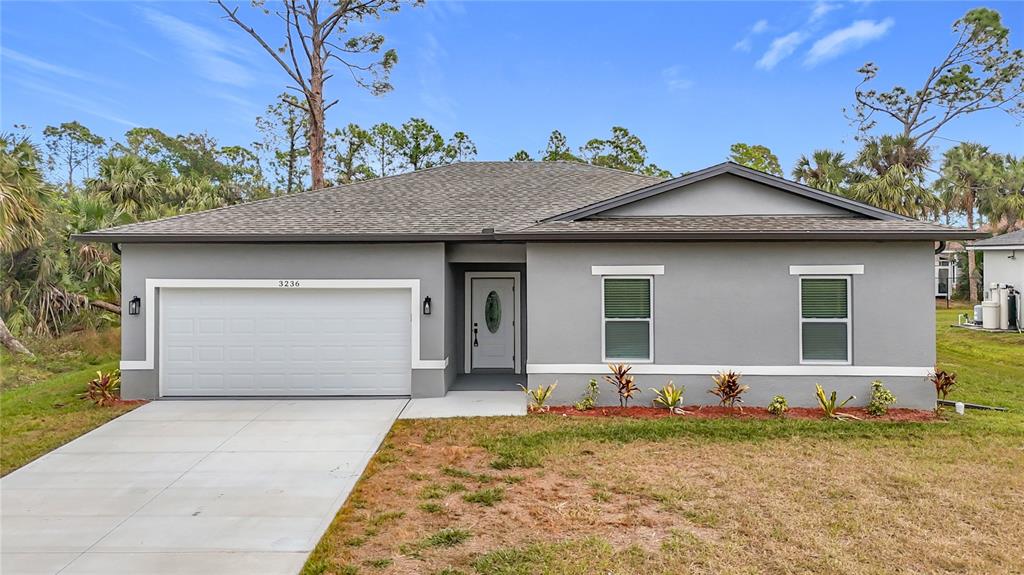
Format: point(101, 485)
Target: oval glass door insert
point(492, 312)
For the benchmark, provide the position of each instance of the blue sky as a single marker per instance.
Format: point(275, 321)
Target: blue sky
point(689, 78)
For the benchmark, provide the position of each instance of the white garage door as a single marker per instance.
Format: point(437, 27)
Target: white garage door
point(244, 342)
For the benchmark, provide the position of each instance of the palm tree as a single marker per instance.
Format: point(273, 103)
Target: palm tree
point(23, 195)
point(130, 182)
point(830, 172)
point(893, 177)
point(897, 190)
point(1004, 202)
point(966, 174)
point(880, 154)
point(24, 198)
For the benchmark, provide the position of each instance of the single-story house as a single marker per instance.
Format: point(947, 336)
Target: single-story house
point(486, 274)
point(1004, 260)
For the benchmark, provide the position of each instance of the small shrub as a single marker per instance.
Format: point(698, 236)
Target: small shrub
point(881, 399)
point(589, 397)
point(728, 388)
point(625, 384)
point(670, 396)
point(944, 382)
point(539, 397)
point(104, 389)
point(778, 407)
point(485, 497)
point(829, 405)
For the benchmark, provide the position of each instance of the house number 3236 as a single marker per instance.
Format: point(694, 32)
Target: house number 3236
point(288, 283)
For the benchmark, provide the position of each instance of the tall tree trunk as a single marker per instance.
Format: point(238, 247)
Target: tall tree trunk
point(10, 342)
point(972, 282)
point(315, 99)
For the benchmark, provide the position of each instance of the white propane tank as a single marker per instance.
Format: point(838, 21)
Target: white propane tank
point(1004, 307)
point(977, 314)
point(990, 314)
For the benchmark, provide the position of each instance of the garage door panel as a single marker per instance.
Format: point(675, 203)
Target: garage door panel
point(285, 342)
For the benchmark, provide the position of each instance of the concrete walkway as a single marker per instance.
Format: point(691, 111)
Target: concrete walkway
point(188, 487)
point(467, 404)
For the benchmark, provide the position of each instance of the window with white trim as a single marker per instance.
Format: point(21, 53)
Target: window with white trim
point(628, 318)
point(825, 319)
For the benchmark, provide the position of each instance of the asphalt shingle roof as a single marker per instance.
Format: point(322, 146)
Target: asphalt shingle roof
point(485, 200)
point(1011, 239)
point(461, 198)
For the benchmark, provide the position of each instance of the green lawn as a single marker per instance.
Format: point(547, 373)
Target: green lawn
point(546, 494)
point(39, 405)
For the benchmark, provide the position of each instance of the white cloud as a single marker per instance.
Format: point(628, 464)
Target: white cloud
point(780, 49)
point(845, 39)
point(214, 57)
point(674, 80)
point(821, 8)
point(37, 65)
point(747, 42)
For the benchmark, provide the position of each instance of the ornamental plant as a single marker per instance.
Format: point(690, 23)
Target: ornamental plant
point(728, 388)
point(669, 396)
point(944, 382)
point(881, 399)
point(778, 407)
point(625, 384)
point(104, 389)
point(830, 407)
point(539, 397)
point(589, 399)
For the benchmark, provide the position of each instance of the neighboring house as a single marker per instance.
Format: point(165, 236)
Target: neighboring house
point(1004, 260)
point(474, 274)
point(946, 271)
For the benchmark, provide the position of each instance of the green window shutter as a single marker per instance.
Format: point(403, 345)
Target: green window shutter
point(627, 339)
point(823, 298)
point(627, 298)
point(824, 341)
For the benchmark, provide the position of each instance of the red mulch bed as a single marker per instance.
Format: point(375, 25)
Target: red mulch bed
point(715, 412)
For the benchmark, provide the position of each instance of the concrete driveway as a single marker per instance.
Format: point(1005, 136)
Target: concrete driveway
point(187, 487)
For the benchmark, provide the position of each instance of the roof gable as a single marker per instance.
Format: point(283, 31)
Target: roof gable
point(726, 195)
point(726, 189)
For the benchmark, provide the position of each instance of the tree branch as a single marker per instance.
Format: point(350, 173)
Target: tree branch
point(232, 15)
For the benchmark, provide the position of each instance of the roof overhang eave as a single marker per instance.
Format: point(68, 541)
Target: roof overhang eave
point(1009, 247)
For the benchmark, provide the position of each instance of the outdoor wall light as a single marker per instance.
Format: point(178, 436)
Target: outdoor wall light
point(426, 305)
point(134, 306)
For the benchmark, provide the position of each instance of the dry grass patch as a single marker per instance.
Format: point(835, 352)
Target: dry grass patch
point(942, 504)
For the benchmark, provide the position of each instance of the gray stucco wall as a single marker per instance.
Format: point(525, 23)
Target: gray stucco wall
point(1004, 267)
point(736, 304)
point(425, 262)
point(724, 195)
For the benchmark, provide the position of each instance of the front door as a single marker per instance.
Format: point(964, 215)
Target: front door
point(492, 326)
